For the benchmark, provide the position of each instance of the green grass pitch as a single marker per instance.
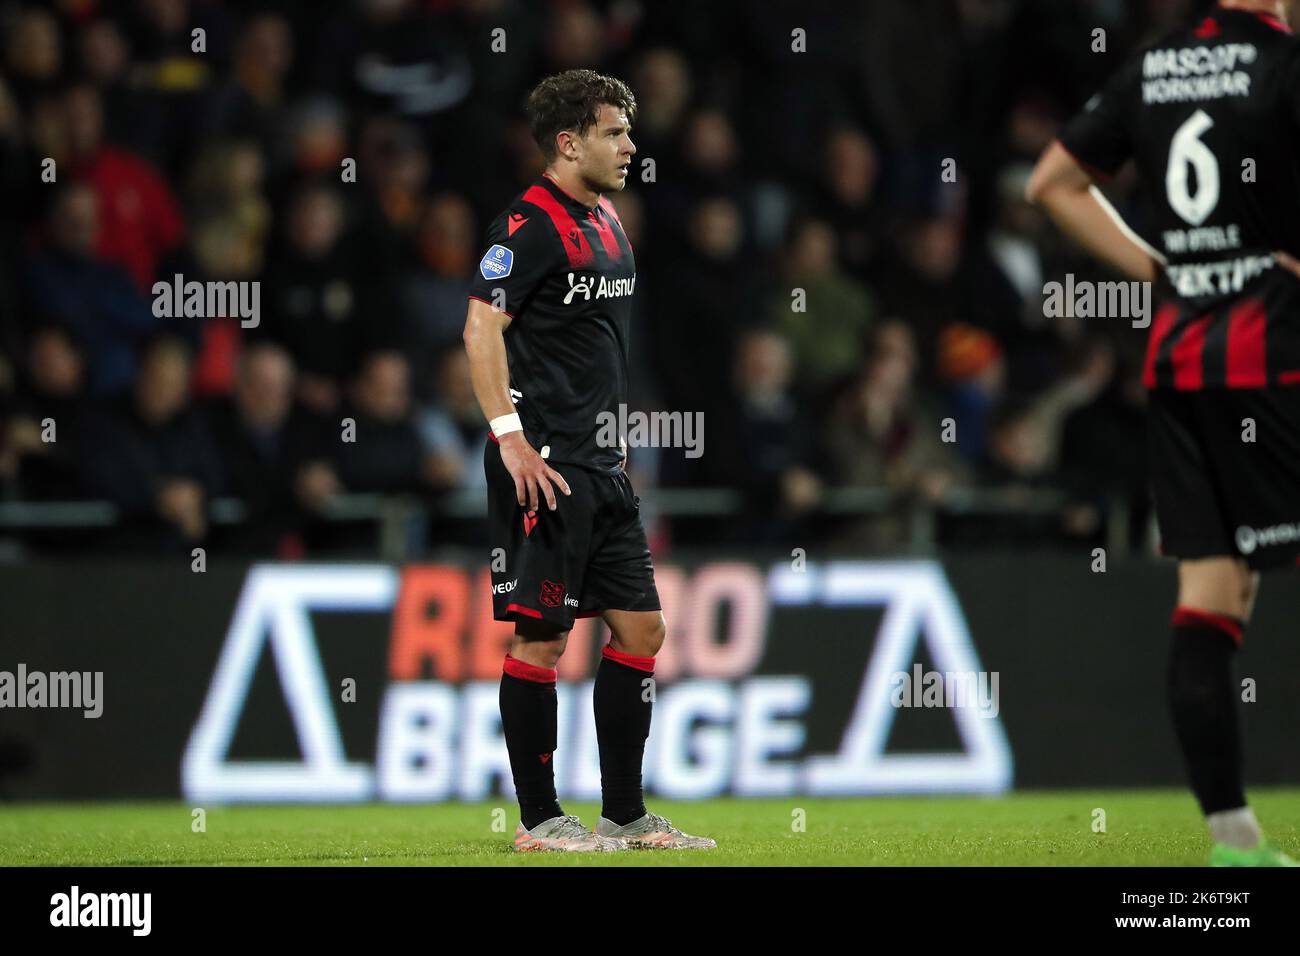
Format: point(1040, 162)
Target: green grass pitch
point(1143, 828)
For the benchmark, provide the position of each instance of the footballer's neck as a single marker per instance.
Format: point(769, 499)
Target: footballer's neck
point(567, 178)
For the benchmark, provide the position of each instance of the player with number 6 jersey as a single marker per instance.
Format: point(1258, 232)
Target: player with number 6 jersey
point(1210, 116)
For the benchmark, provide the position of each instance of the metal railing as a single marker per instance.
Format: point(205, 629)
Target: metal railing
point(400, 519)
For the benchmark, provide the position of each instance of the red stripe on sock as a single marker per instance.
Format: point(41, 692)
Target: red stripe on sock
point(525, 671)
point(1194, 617)
point(646, 664)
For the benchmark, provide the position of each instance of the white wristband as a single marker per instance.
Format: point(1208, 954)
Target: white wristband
point(506, 424)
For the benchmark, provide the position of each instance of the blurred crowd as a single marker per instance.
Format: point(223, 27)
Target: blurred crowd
point(844, 313)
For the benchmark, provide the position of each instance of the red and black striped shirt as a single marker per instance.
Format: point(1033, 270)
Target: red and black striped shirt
point(1211, 116)
point(565, 274)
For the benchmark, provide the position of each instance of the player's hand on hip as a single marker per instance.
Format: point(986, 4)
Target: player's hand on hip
point(534, 478)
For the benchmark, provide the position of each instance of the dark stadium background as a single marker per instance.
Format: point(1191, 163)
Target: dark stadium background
point(773, 171)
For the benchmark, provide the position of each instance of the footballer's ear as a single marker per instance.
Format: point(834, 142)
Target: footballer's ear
point(567, 144)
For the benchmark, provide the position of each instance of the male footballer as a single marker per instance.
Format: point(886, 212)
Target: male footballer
point(1211, 117)
point(547, 338)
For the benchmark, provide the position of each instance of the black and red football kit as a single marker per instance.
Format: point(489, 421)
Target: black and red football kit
point(565, 274)
point(1211, 117)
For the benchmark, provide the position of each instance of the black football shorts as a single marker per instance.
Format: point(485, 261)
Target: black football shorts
point(1217, 493)
point(587, 556)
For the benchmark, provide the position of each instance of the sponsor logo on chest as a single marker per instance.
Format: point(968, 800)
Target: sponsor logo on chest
point(586, 287)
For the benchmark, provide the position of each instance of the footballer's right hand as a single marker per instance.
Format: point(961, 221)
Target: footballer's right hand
point(530, 472)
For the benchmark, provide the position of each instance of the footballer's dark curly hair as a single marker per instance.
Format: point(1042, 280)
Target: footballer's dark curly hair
point(571, 100)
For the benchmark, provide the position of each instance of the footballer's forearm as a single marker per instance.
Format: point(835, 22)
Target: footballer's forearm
point(485, 345)
point(1063, 189)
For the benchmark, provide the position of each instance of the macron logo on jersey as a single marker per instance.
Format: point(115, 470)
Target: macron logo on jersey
point(496, 263)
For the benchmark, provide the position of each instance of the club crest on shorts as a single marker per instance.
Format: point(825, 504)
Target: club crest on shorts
point(552, 594)
point(496, 263)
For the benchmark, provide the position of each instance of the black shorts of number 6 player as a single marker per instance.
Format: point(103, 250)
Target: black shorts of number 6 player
point(565, 274)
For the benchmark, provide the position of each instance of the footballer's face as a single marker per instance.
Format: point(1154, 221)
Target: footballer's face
point(606, 158)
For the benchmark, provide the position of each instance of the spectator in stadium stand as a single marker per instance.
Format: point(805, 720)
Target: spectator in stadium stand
point(33, 53)
point(230, 228)
point(387, 455)
point(1018, 461)
point(251, 101)
point(699, 296)
point(761, 442)
point(153, 457)
point(178, 80)
point(68, 282)
point(131, 117)
point(1104, 444)
point(433, 291)
point(318, 299)
point(879, 435)
point(711, 153)
point(664, 89)
point(829, 335)
point(920, 279)
point(52, 390)
point(265, 441)
point(139, 217)
point(973, 374)
point(451, 426)
point(844, 195)
point(391, 198)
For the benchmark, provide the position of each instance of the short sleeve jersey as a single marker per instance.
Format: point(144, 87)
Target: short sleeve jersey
point(565, 274)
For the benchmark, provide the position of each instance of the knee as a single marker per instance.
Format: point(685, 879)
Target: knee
point(538, 645)
point(644, 639)
point(654, 639)
point(1249, 588)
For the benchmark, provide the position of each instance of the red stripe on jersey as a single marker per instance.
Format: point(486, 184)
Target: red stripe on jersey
point(494, 308)
point(607, 237)
point(571, 237)
point(604, 203)
point(1272, 21)
point(1246, 366)
point(1188, 354)
point(1290, 377)
point(1160, 327)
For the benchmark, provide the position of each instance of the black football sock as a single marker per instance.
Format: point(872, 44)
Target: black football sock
point(622, 703)
point(1203, 696)
point(528, 720)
